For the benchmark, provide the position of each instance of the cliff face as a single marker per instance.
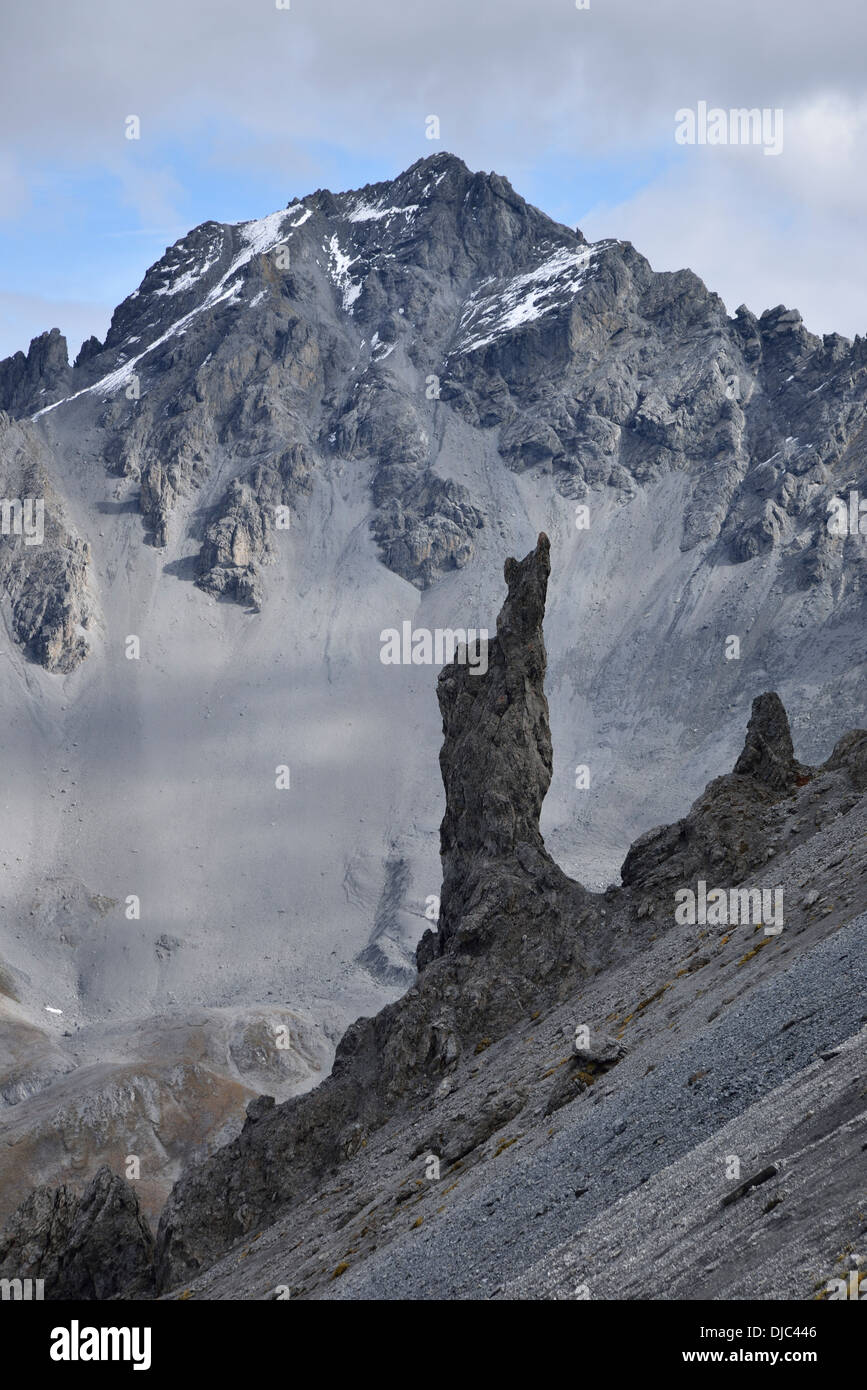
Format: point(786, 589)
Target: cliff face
point(32, 380)
point(85, 1247)
point(750, 816)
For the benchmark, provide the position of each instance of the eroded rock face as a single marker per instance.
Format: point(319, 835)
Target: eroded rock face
point(93, 1246)
point(239, 539)
point(423, 524)
point(44, 574)
point(496, 762)
point(514, 931)
point(769, 754)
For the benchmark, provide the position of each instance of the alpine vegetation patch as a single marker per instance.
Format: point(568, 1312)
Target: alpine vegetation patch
point(730, 907)
point(739, 126)
point(23, 517)
point(420, 647)
point(848, 519)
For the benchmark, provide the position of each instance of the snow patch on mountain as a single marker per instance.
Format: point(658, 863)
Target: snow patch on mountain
point(338, 268)
point(370, 212)
point(258, 237)
point(491, 313)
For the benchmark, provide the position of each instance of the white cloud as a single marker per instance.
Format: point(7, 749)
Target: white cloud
point(765, 231)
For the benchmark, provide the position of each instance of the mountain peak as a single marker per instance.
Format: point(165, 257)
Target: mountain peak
point(442, 160)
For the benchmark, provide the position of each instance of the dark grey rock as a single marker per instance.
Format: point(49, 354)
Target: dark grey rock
point(93, 1246)
point(29, 382)
point(769, 754)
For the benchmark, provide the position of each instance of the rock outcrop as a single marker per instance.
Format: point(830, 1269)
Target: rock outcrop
point(239, 538)
point(496, 762)
point(28, 382)
point(590, 1061)
point(769, 754)
point(96, 1246)
point(515, 932)
point(747, 817)
point(44, 573)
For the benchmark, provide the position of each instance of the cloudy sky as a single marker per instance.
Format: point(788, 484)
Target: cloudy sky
point(243, 106)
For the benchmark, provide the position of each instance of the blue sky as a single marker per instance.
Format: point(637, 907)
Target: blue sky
point(244, 106)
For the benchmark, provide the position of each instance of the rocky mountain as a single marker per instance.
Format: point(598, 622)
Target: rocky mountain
point(454, 1109)
point(301, 432)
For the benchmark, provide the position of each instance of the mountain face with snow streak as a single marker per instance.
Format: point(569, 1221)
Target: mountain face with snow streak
point(245, 343)
point(302, 431)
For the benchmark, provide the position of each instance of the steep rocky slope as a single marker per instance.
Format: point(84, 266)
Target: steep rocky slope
point(513, 944)
point(563, 1050)
point(299, 432)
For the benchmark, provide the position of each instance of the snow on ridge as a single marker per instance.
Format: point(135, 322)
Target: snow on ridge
point(258, 237)
point(188, 278)
point(525, 297)
point(260, 234)
point(371, 212)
